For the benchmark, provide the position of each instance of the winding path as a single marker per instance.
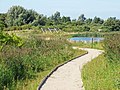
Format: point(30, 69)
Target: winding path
point(68, 76)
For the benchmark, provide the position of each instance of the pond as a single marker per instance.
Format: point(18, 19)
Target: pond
point(86, 39)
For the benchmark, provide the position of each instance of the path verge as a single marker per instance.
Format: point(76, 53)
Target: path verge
point(67, 76)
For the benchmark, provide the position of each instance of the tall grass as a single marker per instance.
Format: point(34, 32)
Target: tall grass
point(94, 34)
point(96, 45)
point(36, 55)
point(99, 75)
point(89, 34)
point(112, 48)
point(103, 73)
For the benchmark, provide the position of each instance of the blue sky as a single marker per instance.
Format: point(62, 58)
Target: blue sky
point(72, 8)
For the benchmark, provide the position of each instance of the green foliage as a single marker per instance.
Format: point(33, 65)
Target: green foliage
point(5, 76)
point(98, 20)
point(18, 16)
point(56, 18)
point(112, 47)
point(6, 39)
point(89, 34)
point(112, 24)
point(15, 16)
point(86, 28)
point(82, 18)
point(103, 72)
point(2, 25)
point(95, 45)
point(2, 21)
point(66, 19)
point(88, 21)
point(99, 75)
point(28, 26)
point(36, 55)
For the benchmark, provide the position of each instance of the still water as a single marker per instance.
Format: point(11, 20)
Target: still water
point(86, 39)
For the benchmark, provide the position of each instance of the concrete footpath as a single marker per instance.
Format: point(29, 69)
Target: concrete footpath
point(68, 76)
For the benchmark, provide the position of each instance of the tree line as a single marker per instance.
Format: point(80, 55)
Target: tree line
point(18, 16)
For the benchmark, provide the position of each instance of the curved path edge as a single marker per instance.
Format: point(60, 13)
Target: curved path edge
point(67, 76)
point(55, 69)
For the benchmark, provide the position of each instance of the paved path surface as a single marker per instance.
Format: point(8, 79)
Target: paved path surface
point(68, 76)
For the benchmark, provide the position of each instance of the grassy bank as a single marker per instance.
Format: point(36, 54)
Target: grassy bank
point(22, 68)
point(103, 73)
point(99, 75)
point(95, 45)
point(94, 34)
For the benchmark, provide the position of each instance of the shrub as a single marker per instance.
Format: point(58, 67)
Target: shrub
point(35, 55)
point(112, 47)
point(6, 39)
point(27, 26)
point(89, 34)
point(5, 76)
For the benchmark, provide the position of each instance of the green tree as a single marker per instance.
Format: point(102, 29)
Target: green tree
point(49, 21)
point(112, 24)
point(31, 16)
point(86, 28)
point(82, 18)
point(17, 16)
point(40, 20)
point(6, 39)
point(14, 16)
point(98, 20)
point(88, 21)
point(2, 21)
point(56, 18)
point(2, 25)
point(66, 19)
point(74, 22)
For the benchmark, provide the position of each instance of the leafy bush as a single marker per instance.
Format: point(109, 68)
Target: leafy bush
point(103, 73)
point(6, 39)
point(5, 77)
point(36, 55)
point(89, 34)
point(112, 47)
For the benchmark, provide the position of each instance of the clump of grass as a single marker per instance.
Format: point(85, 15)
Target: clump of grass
point(99, 75)
point(103, 73)
point(112, 48)
point(96, 45)
point(36, 55)
point(89, 34)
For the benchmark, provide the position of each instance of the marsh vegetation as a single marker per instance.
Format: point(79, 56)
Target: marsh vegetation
point(27, 54)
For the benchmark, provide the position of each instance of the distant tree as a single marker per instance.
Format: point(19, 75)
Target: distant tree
point(86, 28)
point(98, 20)
point(56, 18)
point(88, 21)
point(112, 24)
point(2, 21)
point(110, 21)
point(2, 17)
point(2, 25)
point(17, 16)
point(14, 16)
point(66, 19)
point(31, 16)
point(82, 18)
point(40, 20)
point(74, 22)
point(49, 21)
